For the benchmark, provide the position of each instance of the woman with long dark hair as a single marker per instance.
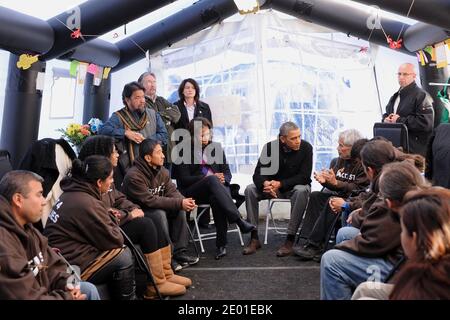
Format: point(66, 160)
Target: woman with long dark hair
point(190, 104)
point(425, 221)
point(205, 176)
point(82, 228)
point(141, 230)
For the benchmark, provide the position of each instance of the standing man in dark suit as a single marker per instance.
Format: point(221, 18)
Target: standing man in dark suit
point(412, 106)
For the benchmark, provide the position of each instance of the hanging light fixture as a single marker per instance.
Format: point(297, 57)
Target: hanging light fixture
point(247, 6)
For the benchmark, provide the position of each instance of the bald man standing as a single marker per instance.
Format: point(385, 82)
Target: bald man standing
point(412, 106)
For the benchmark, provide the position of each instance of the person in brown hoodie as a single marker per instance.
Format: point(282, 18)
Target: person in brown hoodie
point(85, 232)
point(148, 184)
point(425, 238)
point(371, 254)
point(140, 229)
point(29, 268)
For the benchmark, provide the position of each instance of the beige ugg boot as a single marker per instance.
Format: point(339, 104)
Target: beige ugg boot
point(166, 253)
point(166, 288)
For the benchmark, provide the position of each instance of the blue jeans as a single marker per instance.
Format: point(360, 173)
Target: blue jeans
point(341, 272)
point(89, 290)
point(346, 233)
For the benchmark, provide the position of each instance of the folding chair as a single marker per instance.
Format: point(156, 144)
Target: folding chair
point(269, 216)
point(140, 262)
point(196, 214)
point(397, 133)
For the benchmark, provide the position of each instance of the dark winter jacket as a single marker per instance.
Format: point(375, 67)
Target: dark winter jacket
point(290, 167)
point(438, 157)
point(80, 225)
point(350, 177)
point(416, 112)
point(170, 114)
point(29, 269)
point(189, 173)
point(364, 200)
point(201, 110)
point(40, 158)
point(151, 188)
point(379, 235)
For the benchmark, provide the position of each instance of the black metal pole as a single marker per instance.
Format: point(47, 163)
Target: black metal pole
point(434, 12)
point(94, 18)
point(96, 99)
point(22, 109)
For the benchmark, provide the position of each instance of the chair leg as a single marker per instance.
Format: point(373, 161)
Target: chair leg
point(330, 231)
point(193, 241)
point(240, 236)
point(198, 233)
point(267, 226)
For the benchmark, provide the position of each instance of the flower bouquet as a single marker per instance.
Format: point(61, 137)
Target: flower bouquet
point(76, 133)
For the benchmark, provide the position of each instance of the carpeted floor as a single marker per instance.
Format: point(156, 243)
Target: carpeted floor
point(255, 277)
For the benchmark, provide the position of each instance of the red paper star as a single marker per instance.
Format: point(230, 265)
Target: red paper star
point(75, 34)
point(394, 44)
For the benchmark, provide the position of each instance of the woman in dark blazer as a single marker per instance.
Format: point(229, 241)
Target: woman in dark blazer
point(190, 105)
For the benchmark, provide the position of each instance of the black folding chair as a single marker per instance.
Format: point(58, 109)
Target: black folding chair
point(397, 133)
point(140, 261)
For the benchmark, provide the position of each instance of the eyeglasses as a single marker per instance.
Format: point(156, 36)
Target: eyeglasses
point(403, 74)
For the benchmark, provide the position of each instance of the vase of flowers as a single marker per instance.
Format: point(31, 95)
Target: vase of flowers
point(76, 133)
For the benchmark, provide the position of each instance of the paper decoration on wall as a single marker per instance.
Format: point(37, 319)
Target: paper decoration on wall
point(441, 55)
point(364, 49)
point(82, 69)
point(26, 60)
point(40, 81)
point(106, 71)
point(92, 69)
point(429, 50)
point(420, 58)
point(98, 76)
point(394, 44)
point(374, 21)
point(73, 68)
point(75, 34)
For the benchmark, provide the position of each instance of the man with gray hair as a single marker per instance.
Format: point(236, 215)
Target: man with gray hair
point(169, 112)
point(283, 171)
point(345, 176)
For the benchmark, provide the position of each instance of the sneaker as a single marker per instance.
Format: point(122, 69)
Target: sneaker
point(185, 260)
point(176, 267)
point(307, 252)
